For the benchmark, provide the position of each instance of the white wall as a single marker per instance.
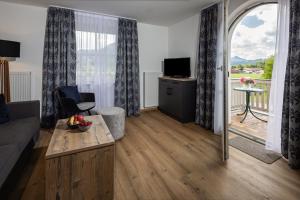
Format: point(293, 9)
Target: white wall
point(183, 36)
point(25, 24)
point(183, 39)
point(153, 48)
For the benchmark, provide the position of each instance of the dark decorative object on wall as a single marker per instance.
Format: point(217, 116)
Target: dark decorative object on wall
point(207, 55)
point(9, 50)
point(59, 63)
point(290, 131)
point(127, 84)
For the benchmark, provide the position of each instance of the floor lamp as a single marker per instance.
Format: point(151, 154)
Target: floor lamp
point(9, 51)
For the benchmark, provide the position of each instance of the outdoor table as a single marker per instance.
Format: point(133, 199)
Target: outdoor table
point(248, 91)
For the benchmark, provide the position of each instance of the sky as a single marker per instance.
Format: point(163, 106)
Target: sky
point(255, 35)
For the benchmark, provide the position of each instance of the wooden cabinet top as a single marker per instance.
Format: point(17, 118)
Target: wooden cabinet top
point(177, 79)
point(65, 141)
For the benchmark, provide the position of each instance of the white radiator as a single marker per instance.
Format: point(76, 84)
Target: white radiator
point(151, 88)
point(20, 86)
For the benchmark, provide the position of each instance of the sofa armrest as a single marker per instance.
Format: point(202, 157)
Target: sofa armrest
point(24, 109)
point(87, 97)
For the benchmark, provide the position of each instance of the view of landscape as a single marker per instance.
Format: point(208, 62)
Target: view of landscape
point(256, 69)
point(253, 44)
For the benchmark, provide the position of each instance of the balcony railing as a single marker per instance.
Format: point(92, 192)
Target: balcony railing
point(258, 101)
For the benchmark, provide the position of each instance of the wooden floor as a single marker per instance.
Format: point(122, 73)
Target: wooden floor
point(159, 158)
point(251, 125)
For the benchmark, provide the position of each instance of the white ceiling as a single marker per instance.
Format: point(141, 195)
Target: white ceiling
point(158, 12)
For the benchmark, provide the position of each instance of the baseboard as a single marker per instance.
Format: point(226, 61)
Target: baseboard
point(154, 108)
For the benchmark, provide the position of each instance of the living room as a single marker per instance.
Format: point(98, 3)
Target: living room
point(117, 100)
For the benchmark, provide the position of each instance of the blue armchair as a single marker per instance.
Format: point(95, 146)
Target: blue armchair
point(71, 104)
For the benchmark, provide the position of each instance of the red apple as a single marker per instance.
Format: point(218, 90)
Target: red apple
point(80, 118)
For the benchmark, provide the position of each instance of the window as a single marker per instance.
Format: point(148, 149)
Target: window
point(253, 43)
point(96, 40)
point(252, 56)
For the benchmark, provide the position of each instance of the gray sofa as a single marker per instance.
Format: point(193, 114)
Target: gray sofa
point(15, 135)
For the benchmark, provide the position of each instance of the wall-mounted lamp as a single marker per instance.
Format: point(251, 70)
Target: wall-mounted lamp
point(9, 51)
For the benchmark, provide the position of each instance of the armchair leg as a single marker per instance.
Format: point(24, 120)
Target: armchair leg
point(89, 112)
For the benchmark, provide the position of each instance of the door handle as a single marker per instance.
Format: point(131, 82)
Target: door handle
point(169, 91)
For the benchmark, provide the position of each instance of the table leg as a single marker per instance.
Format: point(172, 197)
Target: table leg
point(247, 107)
point(256, 116)
point(239, 114)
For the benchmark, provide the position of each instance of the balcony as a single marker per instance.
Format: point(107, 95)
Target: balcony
point(259, 103)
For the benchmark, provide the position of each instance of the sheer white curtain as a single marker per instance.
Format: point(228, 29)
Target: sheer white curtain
point(278, 76)
point(96, 43)
point(219, 91)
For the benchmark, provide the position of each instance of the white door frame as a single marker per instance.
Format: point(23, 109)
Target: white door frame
point(229, 24)
point(225, 145)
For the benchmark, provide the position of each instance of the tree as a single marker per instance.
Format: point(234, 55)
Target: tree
point(241, 67)
point(260, 64)
point(268, 68)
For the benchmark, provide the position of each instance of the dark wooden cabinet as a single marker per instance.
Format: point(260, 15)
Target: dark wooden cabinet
point(177, 98)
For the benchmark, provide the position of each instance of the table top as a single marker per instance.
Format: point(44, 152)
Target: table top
point(248, 89)
point(66, 141)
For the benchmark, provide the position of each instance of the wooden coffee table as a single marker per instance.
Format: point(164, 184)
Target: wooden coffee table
point(80, 165)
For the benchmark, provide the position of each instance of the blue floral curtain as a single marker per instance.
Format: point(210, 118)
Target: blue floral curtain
point(59, 60)
point(127, 83)
point(290, 131)
point(206, 67)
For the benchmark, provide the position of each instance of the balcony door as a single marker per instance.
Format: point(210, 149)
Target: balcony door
point(252, 40)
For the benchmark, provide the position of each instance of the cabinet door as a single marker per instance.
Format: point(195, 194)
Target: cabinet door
point(175, 99)
point(189, 101)
point(164, 91)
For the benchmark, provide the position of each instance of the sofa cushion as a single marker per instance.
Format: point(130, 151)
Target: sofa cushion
point(9, 154)
point(19, 132)
point(70, 92)
point(4, 112)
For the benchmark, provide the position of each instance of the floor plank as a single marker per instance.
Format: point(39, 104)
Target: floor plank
point(160, 158)
point(251, 126)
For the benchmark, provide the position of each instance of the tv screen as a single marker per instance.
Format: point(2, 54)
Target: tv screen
point(177, 67)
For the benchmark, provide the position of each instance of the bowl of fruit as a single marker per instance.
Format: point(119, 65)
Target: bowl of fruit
point(74, 121)
point(84, 125)
point(78, 121)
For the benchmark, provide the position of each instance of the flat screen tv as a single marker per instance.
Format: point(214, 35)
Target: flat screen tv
point(177, 67)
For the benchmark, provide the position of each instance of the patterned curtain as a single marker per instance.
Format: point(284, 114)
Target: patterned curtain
point(127, 83)
point(290, 130)
point(59, 61)
point(206, 67)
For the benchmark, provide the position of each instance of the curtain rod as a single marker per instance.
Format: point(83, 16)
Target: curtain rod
point(91, 12)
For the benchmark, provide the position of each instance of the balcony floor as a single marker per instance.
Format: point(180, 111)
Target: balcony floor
point(251, 126)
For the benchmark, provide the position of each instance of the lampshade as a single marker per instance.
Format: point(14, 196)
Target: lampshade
point(9, 50)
